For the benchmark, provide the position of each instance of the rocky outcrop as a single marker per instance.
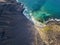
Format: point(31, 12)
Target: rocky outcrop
point(15, 28)
point(50, 34)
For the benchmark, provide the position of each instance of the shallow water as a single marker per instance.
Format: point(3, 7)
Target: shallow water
point(43, 9)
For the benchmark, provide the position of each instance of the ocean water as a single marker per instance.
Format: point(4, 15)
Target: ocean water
point(52, 7)
point(33, 4)
point(42, 10)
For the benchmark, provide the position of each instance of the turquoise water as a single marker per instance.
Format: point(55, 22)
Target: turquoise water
point(42, 10)
point(52, 6)
point(33, 4)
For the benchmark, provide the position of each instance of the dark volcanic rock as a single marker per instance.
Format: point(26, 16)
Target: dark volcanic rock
point(15, 28)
